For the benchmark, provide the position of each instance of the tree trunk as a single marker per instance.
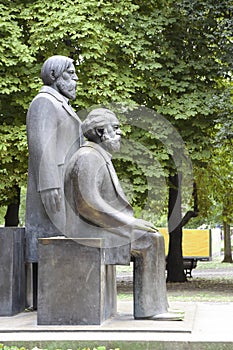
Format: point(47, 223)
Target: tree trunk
point(192, 213)
point(227, 243)
point(12, 213)
point(175, 267)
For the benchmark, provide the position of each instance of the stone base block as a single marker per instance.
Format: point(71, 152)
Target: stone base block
point(12, 271)
point(75, 287)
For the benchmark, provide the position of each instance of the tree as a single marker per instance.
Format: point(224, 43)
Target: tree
point(172, 57)
point(215, 183)
point(31, 32)
point(223, 162)
point(223, 180)
point(15, 55)
point(185, 62)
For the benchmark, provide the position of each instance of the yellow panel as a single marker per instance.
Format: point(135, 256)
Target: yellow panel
point(196, 243)
point(165, 234)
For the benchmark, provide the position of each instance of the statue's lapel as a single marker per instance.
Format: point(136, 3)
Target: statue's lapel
point(112, 172)
point(61, 99)
point(115, 180)
point(70, 110)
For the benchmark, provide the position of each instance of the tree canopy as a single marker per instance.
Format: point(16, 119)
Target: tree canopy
point(172, 57)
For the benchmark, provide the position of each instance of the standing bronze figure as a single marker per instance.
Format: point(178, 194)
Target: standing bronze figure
point(54, 134)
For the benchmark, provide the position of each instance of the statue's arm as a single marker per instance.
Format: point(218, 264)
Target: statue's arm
point(90, 203)
point(88, 184)
point(51, 199)
point(42, 123)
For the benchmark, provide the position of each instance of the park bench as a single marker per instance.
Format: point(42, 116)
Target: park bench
point(189, 265)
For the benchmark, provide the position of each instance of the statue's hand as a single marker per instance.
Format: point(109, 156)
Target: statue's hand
point(144, 225)
point(52, 200)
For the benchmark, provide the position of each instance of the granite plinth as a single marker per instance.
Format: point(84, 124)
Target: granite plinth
point(12, 271)
point(75, 287)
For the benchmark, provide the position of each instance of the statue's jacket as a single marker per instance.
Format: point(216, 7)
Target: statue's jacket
point(96, 204)
point(54, 134)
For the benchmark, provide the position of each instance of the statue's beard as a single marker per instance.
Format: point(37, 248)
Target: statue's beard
point(111, 144)
point(68, 89)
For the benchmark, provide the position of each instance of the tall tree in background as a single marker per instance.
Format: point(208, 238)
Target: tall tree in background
point(206, 44)
point(169, 56)
point(185, 63)
point(15, 60)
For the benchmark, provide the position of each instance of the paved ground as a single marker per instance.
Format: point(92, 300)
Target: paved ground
point(206, 325)
point(203, 324)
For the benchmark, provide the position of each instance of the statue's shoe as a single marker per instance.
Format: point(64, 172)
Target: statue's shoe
point(176, 311)
point(167, 316)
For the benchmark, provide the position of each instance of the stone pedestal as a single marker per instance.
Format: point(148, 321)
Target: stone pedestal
point(12, 271)
point(75, 287)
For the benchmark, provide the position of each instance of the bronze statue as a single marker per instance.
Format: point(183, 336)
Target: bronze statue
point(97, 207)
point(54, 133)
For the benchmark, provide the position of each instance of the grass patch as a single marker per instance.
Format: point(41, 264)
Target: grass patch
point(197, 290)
point(212, 282)
point(215, 264)
point(124, 268)
point(13, 347)
point(202, 289)
point(125, 296)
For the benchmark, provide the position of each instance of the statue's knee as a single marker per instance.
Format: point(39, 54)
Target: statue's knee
point(157, 235)
point(157, 239)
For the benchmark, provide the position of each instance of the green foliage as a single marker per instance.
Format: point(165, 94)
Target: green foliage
point(174, 57)
point(13, 165)
point(6, 347)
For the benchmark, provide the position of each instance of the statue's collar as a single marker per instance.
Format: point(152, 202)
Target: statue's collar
point(55, 93)
point(106, 155)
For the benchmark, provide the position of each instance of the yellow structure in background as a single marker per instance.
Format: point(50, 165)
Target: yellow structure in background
point(200, 244)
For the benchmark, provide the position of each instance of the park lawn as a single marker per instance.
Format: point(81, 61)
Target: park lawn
point(212, 281)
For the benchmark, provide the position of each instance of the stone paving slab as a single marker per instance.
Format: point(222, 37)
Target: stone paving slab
point(122, 322)
point(205, 326)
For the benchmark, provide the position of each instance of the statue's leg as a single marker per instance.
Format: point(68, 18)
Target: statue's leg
point(150, 294)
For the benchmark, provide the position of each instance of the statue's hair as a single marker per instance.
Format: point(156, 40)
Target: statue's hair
point(96, 119)
point(56, 64)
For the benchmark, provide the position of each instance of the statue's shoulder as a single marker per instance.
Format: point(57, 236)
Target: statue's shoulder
point(84, 159)
point(87, 151)
point(48, 93)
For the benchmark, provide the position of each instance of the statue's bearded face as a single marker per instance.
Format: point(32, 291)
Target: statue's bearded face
point(111, 138)
point(67, 82)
